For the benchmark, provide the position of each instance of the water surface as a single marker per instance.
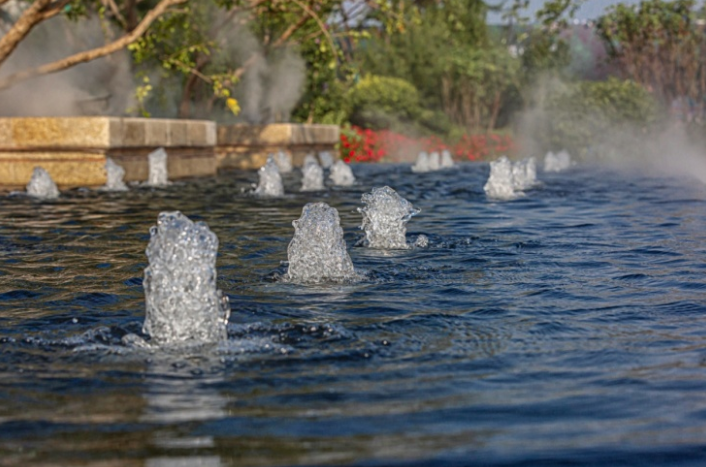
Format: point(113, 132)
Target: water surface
point(566, 327)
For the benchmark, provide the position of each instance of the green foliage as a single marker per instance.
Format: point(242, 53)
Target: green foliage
point(582, 116)
point(658, 44)
point(476, 83)
point(390, 95)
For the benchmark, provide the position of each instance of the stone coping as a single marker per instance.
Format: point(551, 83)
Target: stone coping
point(90, 133)
point(276, 134)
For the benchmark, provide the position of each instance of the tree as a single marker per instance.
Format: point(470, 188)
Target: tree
point(659, 44)
point(42, 10)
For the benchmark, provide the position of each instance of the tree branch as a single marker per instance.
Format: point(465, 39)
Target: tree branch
point(28, 20)
point(93, 54)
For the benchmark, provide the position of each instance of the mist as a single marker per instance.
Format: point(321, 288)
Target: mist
point(662, 148)
point(101, 87)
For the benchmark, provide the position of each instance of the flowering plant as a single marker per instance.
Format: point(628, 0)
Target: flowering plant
point(366, 145)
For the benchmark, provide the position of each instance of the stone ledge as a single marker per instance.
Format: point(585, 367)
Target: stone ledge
point(284, 134)
point(103, 133)
point(246, 147)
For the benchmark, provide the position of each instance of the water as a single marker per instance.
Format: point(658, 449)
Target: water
point(385, 217)
point(317, 252)
point(341, 174)
point(326, 159)
point(446, 160)
point(557, 162)
point(157, 160)
point(182, 304)
point(312, 175)
point(501, 180)
point(524, 174)
point(284, 162)
point(270, 180)
point(114, 175)
point(564, 327)
point(422, 165)
point(41, 185)
point(434, 161)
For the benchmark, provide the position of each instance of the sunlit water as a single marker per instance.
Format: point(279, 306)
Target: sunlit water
point(564, 327)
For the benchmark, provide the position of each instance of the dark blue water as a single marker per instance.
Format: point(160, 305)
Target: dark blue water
point(567, 327)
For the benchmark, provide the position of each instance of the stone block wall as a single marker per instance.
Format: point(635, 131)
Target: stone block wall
point(74, 149)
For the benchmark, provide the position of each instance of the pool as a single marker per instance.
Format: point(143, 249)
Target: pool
point(565, 327)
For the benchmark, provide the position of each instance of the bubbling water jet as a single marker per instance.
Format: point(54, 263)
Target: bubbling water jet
point(158, 168)
point(114, 175)
point(422, 164)
point(284, 162)
point(446, 160)
point(312, 175)
point(500, 182)
point(41, 185)
point(183, 306)
point(317, 252)
point(341, 174)
point(524, 174)
point(434, 161)
point(270, 183)
point(557, 162)
point(326, 159)
point(385, 216)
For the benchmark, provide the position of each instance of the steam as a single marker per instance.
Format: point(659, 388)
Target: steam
point(267, 92)
point(664, 148)
point(272, 83)
point(100, 87)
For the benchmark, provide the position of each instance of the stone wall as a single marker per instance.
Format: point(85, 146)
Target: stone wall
point(74, 149)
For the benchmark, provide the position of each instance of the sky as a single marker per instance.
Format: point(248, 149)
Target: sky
point(590, 9)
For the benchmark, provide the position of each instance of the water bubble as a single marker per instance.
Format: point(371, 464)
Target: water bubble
point(270, 183)
point(114, 176)
point(317, 252)
point(312, 175)
point(446, 160)
point(41, 185)
point(158, 168)
point(183, 305)
point(422, 164)
point(284, 162)
point(557, 162)
point(501, 181)
point(341, 174)
point(385, 216)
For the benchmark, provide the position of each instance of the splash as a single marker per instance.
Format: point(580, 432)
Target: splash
point(317, 253)
point(284, 162)
point(434, 161)
point(41, 185)
point(446, 160)
point(557, 162)
point(183, 306)
point(114, 174)
point(422, 164)
point(524, 174)
point(313, 175)
point(385, 216)
point(341, 174)
point(326, 159)
point(501, 183)
point(158, 168)
point(270, 184)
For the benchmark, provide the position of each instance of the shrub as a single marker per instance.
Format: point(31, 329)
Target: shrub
point(587, 115)
point(393, 97)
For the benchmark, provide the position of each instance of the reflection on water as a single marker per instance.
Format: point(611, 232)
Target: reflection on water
point(563, 327)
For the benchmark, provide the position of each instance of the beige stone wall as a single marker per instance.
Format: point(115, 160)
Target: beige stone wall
point(247, 146)
point(74, 149)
